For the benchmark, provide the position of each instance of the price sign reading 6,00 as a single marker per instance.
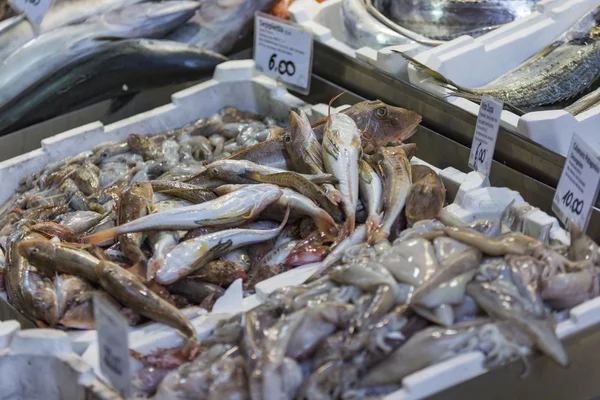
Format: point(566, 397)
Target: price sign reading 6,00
point(283, 67)
point(574, 204)
point(283, 51)
point(480, 154)
point(486, 132)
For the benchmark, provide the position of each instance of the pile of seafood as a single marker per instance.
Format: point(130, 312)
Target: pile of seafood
point(385, 311)
point(382, 23)
point(177, 213)
point(562, 75)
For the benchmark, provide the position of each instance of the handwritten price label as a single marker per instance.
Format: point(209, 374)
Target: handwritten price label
point(283, 50)
point(34, 10)
point(486, 133)
point(113, 345)
point(578, 185)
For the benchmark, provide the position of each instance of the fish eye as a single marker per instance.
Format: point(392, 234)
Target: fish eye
point(35, 250)
point(287, 138)
point(381, 112)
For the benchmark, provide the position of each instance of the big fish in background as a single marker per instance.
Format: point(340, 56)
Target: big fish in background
point(219, 24)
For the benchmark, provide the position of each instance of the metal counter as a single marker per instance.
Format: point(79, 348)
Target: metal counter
point(517, 157)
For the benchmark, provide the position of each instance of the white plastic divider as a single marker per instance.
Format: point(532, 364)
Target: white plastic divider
point(476, 62)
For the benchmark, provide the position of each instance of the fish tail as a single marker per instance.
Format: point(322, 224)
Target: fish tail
point(101, 236)
point(325, 223)
point(440, 79)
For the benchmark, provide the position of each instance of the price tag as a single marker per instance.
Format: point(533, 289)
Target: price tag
point(578, 185)
point(486, 133)
point(113, 345)
point(283, 50)
point(34, 10)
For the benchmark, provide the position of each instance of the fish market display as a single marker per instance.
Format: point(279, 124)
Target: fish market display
point(383, 312)
point(557, 74)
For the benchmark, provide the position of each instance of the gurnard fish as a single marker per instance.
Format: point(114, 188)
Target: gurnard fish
point(241, 205)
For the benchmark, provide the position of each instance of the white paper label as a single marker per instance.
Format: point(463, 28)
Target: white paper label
point(113, 345)
point(486, 133)
point(34, 10)
point(578, 185)
point(283, 50)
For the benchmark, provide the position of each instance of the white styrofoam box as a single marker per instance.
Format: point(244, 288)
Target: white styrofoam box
point(325, 21)
point(39, 363)
point(475, 62)
point(234, 84)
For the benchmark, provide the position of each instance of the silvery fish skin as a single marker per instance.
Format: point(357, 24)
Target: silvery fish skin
point(362, 29)
point(58, 48)
point(341, 152)
point(218, 24)
point(371, 193)
point(302, 145)
point(193, 254)
point(447, 20)
point(15, 31)
point(241, 205)
point(555, 74)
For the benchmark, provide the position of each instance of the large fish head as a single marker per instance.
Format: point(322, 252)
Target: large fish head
point(383, 123)
point(37, 251)
point(150, 19)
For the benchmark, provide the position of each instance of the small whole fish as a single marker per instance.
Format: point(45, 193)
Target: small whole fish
point(395, 170)
point(426, 196)
point(182, 190)
point(302, 145)
point(371, 194)
point(192, 255)
point(341, 152)
point(241, 205)
point(132, 293)
point(134, 203)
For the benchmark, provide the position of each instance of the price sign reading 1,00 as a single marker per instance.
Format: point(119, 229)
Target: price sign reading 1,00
point(283, 67)
point(574, 204)
point(480, 154)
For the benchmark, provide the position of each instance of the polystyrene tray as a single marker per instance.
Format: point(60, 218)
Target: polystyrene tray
point(235, 84)
point(475, 62)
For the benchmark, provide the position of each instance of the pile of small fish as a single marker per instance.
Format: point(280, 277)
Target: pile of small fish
point(556, 76)
point(386, 311)
point(382, 23)
point(87, 51)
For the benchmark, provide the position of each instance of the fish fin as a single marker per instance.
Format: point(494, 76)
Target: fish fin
point(285, 218)
point(210, 255)
point(321, 179)
point(119, 102)
point(319, 122)
point(100, 236)
point(140, 270)
point(325, 223)
point(255, 176)
point(330, 103)
point(431, 72)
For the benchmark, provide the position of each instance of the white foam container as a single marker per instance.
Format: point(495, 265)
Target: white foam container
point(235, 84)
point(475, 62)
point(325, 21)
